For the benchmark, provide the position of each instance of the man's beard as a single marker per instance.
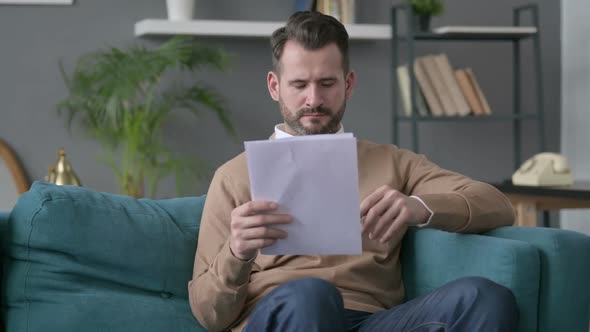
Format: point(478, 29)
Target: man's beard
point(293, 121)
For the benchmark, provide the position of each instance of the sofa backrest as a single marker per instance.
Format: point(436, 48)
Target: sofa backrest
point(80, 260)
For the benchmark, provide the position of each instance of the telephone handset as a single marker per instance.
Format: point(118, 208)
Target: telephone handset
point(544, 169)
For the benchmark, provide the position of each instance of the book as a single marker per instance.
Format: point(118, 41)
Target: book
point(440, 86)
point(347, 11)
point(328, 7)
point(335, 10)
point(319, 6)
point(482, 99)
point(406, 100)
point(342, 10)
point(304, 5)
point(427, 88)
point(517, 30)
point(446, 71)
point(469, 92)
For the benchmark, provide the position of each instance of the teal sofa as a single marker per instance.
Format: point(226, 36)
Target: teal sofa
point(79, 260)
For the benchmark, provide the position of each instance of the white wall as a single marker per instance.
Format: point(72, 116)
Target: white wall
point(575, 119)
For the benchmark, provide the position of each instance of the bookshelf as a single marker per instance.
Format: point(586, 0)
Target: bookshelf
point(513, 34)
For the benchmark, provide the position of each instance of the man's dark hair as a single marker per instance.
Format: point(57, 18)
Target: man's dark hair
point(312, 30)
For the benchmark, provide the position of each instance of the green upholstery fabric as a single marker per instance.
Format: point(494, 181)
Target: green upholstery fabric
point(79, 260)
point(431, 258)
point(565, 276)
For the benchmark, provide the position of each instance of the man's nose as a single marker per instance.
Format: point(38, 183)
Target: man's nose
point(314, 97)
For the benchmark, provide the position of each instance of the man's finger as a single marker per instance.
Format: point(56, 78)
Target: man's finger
point(255, 207)
point(385, 222)
point(393, 211)
point(374, 214)
point(266, 243)
point(266, 220)
point(263, 233)
point(369, 201)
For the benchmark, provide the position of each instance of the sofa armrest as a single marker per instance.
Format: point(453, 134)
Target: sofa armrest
point(431, 258)
point(564, 295)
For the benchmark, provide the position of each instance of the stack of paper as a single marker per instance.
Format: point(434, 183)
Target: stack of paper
point(315, 180)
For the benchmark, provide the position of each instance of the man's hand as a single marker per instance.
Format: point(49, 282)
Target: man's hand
point(251, 228)
point(386, 211)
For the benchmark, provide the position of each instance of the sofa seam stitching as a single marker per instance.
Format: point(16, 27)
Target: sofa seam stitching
point(28, 301)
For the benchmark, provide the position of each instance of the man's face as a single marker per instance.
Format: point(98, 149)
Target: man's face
point(311, 89)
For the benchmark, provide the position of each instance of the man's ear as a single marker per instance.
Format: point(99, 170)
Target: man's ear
point(350, 80)
point(272, 80)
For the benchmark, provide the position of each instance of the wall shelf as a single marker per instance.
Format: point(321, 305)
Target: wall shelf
point(473, 118)
point(472, 36)
point(227, 28)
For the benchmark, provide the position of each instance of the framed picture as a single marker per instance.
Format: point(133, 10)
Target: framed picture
point(36, 2)
point(13, 180)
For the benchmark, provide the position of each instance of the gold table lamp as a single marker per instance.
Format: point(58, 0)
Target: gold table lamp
point(62, 172)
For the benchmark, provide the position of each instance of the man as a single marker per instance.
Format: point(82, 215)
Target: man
point(235, 288)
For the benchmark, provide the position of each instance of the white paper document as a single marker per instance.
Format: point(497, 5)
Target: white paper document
point(314, 179)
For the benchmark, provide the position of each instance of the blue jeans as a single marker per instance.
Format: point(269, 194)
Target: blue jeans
point(315, 305)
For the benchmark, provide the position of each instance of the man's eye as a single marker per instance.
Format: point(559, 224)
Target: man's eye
point(299, 86)
point(327, 84)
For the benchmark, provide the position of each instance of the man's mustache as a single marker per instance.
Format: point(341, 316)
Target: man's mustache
point(315, 110)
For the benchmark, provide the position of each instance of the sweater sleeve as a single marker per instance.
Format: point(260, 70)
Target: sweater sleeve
point(218, 290)
point(458, 203)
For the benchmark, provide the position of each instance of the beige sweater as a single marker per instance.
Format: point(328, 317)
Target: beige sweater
point(225, 289)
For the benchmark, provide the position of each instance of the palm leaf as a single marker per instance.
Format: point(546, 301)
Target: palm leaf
point(116, 95)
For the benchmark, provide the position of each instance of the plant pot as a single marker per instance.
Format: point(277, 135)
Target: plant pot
point(180, 10)
point(422, 23)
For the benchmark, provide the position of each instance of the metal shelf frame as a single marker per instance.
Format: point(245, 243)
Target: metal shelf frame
point(516, 117)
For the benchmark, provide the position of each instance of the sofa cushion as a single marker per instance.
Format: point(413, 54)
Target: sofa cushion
point(564, 297)
point(432, 258)
point(79, 260)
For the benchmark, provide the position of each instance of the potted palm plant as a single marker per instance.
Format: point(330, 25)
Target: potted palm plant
point(119, 98)
point(423, 10)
